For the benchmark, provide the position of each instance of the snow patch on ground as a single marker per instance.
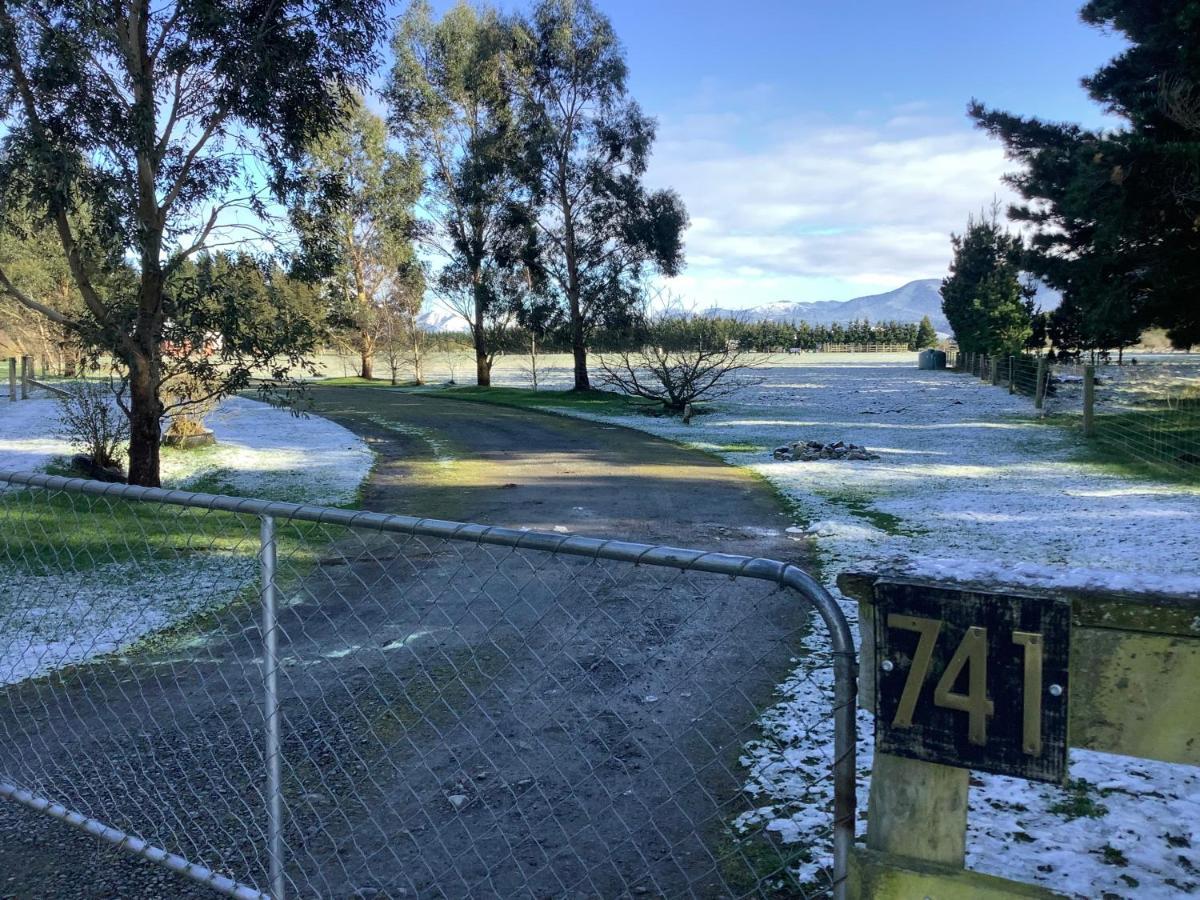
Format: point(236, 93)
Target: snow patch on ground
point(265, 451)
point(261, 450)
point(51, 620)
point(970, 486)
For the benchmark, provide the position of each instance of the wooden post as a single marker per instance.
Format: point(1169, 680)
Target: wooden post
point(26, 374)
point(1012, 384)
point(918, 810)
point(995, 370)
point(12, 379)
point(1089, 401)
point(1039, 387)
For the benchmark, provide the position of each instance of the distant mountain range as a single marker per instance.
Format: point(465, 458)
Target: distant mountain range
point(908, 303)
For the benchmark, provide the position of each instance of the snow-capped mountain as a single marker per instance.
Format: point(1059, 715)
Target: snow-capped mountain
point(908, 303)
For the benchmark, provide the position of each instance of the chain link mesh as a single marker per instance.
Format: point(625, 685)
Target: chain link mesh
point(456, 717)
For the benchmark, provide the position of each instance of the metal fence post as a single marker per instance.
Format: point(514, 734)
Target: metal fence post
point(270, 638)
point(1089, 401)
point(1039, 385)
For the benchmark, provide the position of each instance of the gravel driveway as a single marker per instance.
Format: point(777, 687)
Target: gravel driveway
point(458, 720)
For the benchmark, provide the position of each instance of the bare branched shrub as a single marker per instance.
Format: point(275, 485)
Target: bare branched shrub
point(682, 361)
point(93, 423)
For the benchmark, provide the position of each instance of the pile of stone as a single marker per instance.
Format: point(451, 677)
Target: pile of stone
point(809, 451)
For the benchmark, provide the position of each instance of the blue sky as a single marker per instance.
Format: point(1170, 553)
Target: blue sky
point(822, 149)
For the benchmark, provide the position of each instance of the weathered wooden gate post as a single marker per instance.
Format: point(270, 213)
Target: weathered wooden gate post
point(1101, 670)
point(12, 378)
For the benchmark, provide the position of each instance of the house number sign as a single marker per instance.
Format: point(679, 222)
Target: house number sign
point(972, 679)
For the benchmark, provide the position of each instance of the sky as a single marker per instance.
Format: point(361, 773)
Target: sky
point(823, 149)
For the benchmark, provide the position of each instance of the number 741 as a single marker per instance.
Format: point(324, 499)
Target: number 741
point(971, 654)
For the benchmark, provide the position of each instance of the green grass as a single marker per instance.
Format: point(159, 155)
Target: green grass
point(1158, 442)
point(356, 381)
point(1079, 801)
point(600, 402)
point(860, 507)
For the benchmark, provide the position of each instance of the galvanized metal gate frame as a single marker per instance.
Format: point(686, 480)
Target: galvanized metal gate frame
point(842, 649)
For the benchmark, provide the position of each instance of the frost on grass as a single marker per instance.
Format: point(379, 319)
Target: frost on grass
point(969, 486)
point(51, 620)
point(261, 451)
point(267, 452)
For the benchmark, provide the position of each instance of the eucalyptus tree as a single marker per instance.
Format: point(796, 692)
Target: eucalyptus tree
point(451, 106)
point(169, 123)
point(586, 145)
point(354, 216)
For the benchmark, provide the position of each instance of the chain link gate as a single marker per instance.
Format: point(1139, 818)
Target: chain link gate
point(274, 699)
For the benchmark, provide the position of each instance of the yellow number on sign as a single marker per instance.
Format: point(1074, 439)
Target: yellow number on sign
point(972, 651)
point(928, 630)
point(1031, 734)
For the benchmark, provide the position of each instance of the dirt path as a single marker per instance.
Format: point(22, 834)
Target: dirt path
point(504, 466)
point(461, 722)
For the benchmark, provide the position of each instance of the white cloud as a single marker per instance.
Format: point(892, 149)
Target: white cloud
point(800, 210)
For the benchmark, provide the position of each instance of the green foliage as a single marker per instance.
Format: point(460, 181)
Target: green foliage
point(354, 215)
point(1116, 213)
point(983, 297)
point(926, 335)
point(586, 144)
point(127, 130)
point(451, 106)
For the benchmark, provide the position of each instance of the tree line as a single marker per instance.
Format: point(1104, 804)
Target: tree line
point(1111, 216)
point(201, 191)
point(680, 332)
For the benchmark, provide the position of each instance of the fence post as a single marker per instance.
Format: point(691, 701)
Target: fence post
point(26, 374)
point(270, 638)
point(1089, 401)
point(1012, 384)
point(1039, 386)
point(12, 379)
point(995, 370)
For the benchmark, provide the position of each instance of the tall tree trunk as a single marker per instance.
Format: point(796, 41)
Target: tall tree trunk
point(418, 376)
point(578, 336)
point(366, 366)
point(145, 415)
point(483, 363)
point(579, 348)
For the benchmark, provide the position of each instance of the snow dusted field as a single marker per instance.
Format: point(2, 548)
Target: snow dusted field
point(56, 616)
point(261, 451)
point(968, 485)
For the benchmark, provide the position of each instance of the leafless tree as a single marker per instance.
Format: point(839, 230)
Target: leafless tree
point(681, 363)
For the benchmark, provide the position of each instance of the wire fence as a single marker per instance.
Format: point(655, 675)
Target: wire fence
point(1141, 412)
point(280, 700)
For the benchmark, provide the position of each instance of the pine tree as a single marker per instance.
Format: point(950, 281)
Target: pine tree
point(926, 334)
point(1116, 213)
point(983, 298)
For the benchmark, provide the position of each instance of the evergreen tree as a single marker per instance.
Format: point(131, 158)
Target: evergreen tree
point(926, 334)
point(1115, 212)
point(983, 298)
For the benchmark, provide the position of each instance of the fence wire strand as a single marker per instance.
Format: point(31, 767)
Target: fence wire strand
point(462, 711)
